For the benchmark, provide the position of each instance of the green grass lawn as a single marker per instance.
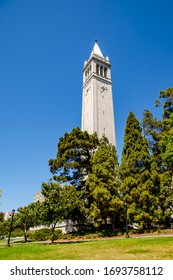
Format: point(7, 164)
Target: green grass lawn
point(150, 248)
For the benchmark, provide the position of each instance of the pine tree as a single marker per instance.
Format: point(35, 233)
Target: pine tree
point(72, 163)
point(160, 134)
point(137, 186)
point(103, 184)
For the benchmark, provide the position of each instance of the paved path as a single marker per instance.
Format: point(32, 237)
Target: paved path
point(20, 239)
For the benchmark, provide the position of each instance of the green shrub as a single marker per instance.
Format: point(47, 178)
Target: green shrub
point(31, 234)
point(58, 231)
point(101, 234)
point(119, 233)
point(17, 232)
point(57, 234)
point(42, 234)
point(4, 229)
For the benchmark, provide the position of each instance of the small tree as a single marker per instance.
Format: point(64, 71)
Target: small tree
point(59, 204)
point(27, 217)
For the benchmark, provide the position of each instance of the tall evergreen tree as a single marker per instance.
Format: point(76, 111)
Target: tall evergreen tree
point(159, 134)
point(154, 128)
point(166, 144)
point(137, 186)
point(103, 184)
point(72, 163)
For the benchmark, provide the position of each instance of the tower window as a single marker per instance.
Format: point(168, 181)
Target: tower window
point(101, 70)
point(97, 69)
point(105, 72)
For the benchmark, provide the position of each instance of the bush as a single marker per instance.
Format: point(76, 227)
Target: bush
point(58, 231)
point(57, 234)
point(31, 234)
point(45, 234)
point(17, 232)
point(119, 233)
point(42, 234)
point(4, 229)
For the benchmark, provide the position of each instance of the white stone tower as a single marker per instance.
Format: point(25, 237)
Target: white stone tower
point(97, 103)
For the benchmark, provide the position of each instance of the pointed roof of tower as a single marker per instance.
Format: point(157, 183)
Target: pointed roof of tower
point(96, 50)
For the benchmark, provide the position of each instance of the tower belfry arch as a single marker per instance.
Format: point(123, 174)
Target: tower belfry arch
point(97, 101)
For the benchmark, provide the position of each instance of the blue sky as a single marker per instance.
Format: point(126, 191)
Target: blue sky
point(43, 45)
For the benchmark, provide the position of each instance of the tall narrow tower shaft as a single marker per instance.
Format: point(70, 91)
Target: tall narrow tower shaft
point(97, 102)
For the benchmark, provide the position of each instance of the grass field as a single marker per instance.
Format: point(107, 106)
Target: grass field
point(148, 248)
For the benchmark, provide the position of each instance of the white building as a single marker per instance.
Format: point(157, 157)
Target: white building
point(97, 103)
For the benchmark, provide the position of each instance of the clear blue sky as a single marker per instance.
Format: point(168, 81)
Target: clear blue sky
point(43, 45)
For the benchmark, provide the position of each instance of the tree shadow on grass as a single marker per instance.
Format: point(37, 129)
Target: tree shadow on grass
point(64, 242)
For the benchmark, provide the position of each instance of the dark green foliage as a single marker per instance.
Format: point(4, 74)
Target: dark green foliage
point(27, 217)
point(160, 137)
point(72, 163)
point(42, 234)
point(60, 203)
point(57, 234)
point(4, 227)
point(167, 96)
point(89, 187)
point(163, 209)
point(103, 185)
point(166, 147)
point(1, 216)
point(136, 182)
point(17, 232)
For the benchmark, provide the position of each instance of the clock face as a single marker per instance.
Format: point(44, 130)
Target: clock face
point(103, 89)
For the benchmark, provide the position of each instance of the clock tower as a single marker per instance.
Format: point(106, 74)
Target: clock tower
point(97, 103)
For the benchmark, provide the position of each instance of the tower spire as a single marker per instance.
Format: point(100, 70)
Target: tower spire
point(96, 50)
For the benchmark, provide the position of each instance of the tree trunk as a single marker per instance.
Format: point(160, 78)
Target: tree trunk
point(53, 229)
point(25, 235)
point(113, 225)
